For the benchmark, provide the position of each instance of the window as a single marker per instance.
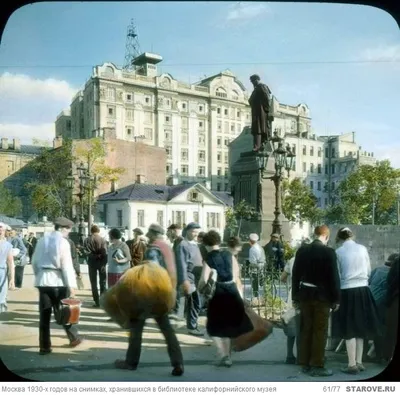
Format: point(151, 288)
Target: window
point(201, 124)
point(326, 169)
point(184, 154)
point(110, 111)
point(312, 185)
point(311, 151)
point(226, 172)
point(184, 170)
point(129, 115)
point(319, 186)
point(219, 125)
point(148, 118)
point(202, 156)
point(304, 167)
point(168, 169)
point(218, 186)
point(179, 218)
point(319, 202)
point(319, 152)
point(128, 97)
point(219, 110)
point(160, 217)
point(168, 135)
point(238, 114)
point(201, 108)
point(184, 138)
point(333, 152)
point(167, 119)
point(183, 106)
point(147, 100)
point(319, 168)
point(326, 152)
point(202, 171)
point(219, 171)
point(326, 186)
point(148, 133)
point(213, 220)
point(226, 142)
point(312, 168)
point(333, 169)
point(226, 111)
point(202, 139)
point(294, 148)
point(168, 150)
point(219, 157)
point(140, 218)
point(221, 92)
point(196, 217)
point(233, 127)
point(226, 159)
point(219, 141)
point(129, 132)
point(304, 150)
point(110, 93)
point(119, 218)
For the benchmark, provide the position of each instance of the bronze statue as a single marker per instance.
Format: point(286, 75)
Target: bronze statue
point(261, 120)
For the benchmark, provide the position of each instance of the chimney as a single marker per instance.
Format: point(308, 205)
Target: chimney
point(354, 136)
point(140, 179)
point(114, 186)
point(4, 143)
point(57, 142)
point(17, 144)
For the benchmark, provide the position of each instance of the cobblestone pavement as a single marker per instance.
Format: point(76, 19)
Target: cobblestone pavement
point(105, 342)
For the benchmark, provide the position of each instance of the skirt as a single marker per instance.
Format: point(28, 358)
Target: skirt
point(357, 316)
point(226, 315)
point(113, 278)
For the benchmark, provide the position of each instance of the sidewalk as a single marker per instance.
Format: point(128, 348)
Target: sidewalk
point(105, 342)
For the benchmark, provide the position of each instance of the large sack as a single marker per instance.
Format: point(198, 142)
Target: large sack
point(262, 329)
point(143, 291)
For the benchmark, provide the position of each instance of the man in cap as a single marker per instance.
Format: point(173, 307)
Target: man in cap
point(188, 257)
point(256, 263)
point(274, 252)
point(55, 280)
point(19, 259)
point(137, 246)
point(174, 234)
point(261, 127)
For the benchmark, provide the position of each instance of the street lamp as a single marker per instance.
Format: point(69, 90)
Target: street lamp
point(284, 160)
point(85, 180)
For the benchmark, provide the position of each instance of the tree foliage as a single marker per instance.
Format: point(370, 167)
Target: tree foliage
point(235, 215)
point(10, 205)
point(299, 203)
point(368, 185)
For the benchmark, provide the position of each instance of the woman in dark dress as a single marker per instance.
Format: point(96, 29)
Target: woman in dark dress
point(226, 316)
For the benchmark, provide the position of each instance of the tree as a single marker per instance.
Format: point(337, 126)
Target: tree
point(365, 188)
point(235, 215)
point(10, 205)
point(49, 190)
point(299, 203)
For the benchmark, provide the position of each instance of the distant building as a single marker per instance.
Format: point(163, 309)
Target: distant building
point(139, 205)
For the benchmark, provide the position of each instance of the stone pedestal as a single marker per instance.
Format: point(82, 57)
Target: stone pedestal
point(249, 184)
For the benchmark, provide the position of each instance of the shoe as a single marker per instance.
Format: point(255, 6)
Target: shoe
point(122, 364)
point(226, 362)
point(290, 361)
point(75, 343)
point(45, 351)
point(177, 370)
point(361, 367)
point(195, 332)
point(320, 372)
point(350, 370)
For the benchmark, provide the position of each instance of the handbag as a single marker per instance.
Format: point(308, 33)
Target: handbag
point(118, 254)
point(68, 312)
point(209, 288)
point(262, 328)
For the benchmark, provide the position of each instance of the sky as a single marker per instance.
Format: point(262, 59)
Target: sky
point(343, 61)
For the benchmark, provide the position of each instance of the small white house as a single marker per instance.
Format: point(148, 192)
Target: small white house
point(140, 205)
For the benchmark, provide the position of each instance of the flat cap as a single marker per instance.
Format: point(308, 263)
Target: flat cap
point(63, 222)
point(192, 225)
point(138, 231)
point(156, 228)
point(253, 237)
point(174, 227)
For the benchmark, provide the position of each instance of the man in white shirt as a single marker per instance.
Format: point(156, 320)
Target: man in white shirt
point(55, 279)
point(256, 262)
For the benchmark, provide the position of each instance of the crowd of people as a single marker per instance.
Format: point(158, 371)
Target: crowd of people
point(324, 284)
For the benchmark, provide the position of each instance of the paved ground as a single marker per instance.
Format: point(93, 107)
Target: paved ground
point(105, 342)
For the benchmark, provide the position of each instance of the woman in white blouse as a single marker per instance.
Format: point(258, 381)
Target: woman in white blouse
point(357, 317)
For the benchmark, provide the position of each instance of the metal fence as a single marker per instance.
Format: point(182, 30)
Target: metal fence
point(264, 290)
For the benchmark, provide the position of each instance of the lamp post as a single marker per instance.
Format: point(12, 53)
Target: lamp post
point(85, 186)
point(284, 159)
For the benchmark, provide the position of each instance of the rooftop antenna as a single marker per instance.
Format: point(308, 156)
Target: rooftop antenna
point(132, 47)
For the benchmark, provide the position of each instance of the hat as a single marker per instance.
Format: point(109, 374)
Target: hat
point(253, 237)
point(63, 222)
point(138, 231)
point(156, 229)
point(192, 225)
point(275, 235)
point(392, 259)
point(174, 227)
point(254, 77)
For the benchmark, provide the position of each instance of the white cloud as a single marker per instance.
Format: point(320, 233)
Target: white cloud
point(26, 133)
point(21, 86)
point(381, 53)
point(246, 11)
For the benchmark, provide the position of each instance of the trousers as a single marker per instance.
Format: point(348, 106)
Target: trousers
point(19, 276)
point(314, 318)
point(135, 341)
point(193, 310)
point(50, 298)
point(97, 270)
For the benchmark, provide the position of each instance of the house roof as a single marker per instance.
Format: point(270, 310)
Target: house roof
point(225, 197)
point(156, 193)
point(12, 221)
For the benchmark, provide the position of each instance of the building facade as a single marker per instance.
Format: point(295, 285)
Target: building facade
point(140, 205)
point(194, 123)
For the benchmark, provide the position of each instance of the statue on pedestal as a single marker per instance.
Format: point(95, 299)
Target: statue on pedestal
point(261, 119)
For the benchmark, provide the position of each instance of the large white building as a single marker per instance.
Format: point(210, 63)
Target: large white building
point(194, 122)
